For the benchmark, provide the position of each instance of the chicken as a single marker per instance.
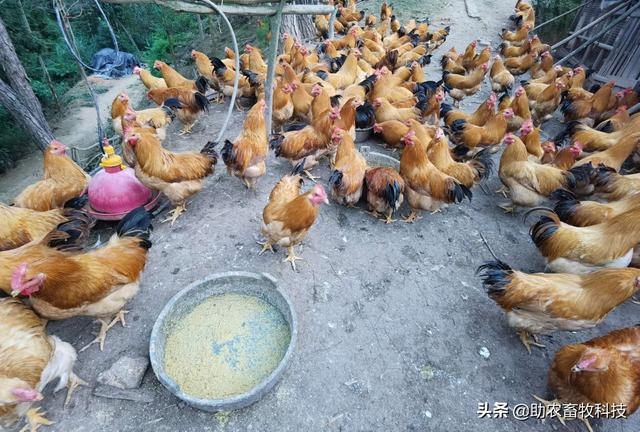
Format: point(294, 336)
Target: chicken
point(459, 86)
point(468, 173)
point(149, 81)
point(501, 79)
point(521, 111)
point(612, 186)
point(479, 117)
point(385, 111)
point(307, 144)
point(384, 191)
point(204, 66)
point(177, 175)
point(517, 37)
point(543, 66)
point(321, 23)
point(349, 169)
point(174, 79)
point(587, 213)
point(62, 181)
point(347, 75)
point(530, 136)
point(544, 302)
point(566, 158)
point(29, 360)
point(22, 225)
point(614, 156)
point(592, 107)
point(595, 140)
point(192, 104)
point(520, 65)
point(283, 107)
point(546, 102)
point(290, 214)
point(392, 132)
point(157, 118)
point(470, 136)
point(62, 282)
point(245, 157)
point(256, 62)
point(601, 371)
point(580, 250)
point(385, 11)
point(469, 54)
point(426, 186)
point(226, 77)
point(619, 120)
point(508, 50)
point(529, 183)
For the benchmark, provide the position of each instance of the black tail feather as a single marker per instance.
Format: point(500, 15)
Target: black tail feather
point(496, 276)
point(77, 203)
point(202, 84)
point(72, 234)
point(227, 153)
point(392, 194)
point(201, 101)
point(335, 180)
point(545, 228)
point(137, 223)
point(275, 143)
point(483, 157)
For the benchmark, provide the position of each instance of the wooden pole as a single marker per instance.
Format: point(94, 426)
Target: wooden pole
point(271, 68)
point(232, 9)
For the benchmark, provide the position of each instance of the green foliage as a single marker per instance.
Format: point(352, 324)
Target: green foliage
point(547, 9)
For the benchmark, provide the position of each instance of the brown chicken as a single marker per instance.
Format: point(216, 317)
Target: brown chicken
point(386, 111)
point(596, 140)
point(62, 282)
point(173, 79)
point(587, 213)
point(468, 173)
point(290, 214)
point(21, 225)
point(384, 191)
point(592, 107)
point(615, 155)
point(309, 143)
point(426, 186)
point(192, 104)
point(226, 76)
point(177, 175)
point(392, 132)
point(521, 111)
point(245, 157)
point(542, 303)
point(544, 65)
point(62, 181)
point(29, 360)
point(470, 136)
point(479, 117)
point(517, 37)
point(522, 64)
point(580, 250)
point(149, 81)
point(529, 183)
point(157, 118)
point(459, 86)
point(347, 178)
point(546, 102)
point(501, 79)
point(602, 371)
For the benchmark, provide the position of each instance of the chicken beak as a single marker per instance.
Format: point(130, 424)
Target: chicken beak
point(326, 200)
point(15, 293)
point(575, 369)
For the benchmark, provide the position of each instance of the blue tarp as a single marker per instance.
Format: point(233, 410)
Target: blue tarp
point(110, 63)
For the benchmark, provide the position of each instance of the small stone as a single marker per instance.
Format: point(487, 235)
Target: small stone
point(126, 373)
point(484, 352)
point(464, 297)
point(428, 414)
point(427, 372)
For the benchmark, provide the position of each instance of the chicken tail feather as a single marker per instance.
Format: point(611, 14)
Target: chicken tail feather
point(209, 151)
point(202, 84)
point(137, 223)
point(545, 228)
point(77, 203)
point(567, 204)
point(228, 155)
point(335, 179)
point(483, 163)
point(201, 101)
point(495, 277)
point(275, 143)
point(392, 194)
point(72, 234)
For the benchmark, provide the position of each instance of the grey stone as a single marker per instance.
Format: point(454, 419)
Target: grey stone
point(126, 373)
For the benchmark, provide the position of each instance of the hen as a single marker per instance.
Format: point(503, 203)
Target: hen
point(62, 181)
point(290, 214)
point(29, 360)
point(347, 177)
point(384, 191)
point(192, 104)
point(545, 302)
point(149, 81)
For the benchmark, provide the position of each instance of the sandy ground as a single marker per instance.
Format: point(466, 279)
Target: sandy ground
point(377, 305)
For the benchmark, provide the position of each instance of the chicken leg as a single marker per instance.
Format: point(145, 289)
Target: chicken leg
point(508, 208)
point(35, 418)
point(175, 213)
point(292, 258)
point(527, 342)
point(548, 403)
point(388, 218)
point(187, 128)
point(74, 382)
point(104, 328)
point(311, 177)
point(503, 190)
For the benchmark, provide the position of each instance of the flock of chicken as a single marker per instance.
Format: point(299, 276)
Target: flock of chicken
point(371, 77)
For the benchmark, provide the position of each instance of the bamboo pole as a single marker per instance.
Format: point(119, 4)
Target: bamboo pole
point(233, 9)
point(271, 65)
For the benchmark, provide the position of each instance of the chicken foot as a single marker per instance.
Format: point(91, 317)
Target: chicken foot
point(388, 216)
point(503, 190)
point(175, 213)
point(310, 176)
point(412, 217)
point(187, 128)
point(508, 208)
point(104, 328)
point(266, 246)
point(527, 342)
point(561, 419)
point(292, 258)
point(74, 382)
point(35, 418)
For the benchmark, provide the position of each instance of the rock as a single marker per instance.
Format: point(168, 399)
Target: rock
point(484, 352)
point(428, 414)
point(135, 395)
point(427, 372)
point(126, 373)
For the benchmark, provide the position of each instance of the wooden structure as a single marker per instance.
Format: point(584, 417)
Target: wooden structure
point(615, 55)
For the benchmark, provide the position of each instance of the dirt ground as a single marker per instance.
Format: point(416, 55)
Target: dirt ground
point(392, 318)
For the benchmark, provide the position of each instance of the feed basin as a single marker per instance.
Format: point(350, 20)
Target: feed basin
point(224, 341)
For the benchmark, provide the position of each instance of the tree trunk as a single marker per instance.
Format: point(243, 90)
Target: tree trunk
point(301, 27)
point(24, 117)
point(21, 91)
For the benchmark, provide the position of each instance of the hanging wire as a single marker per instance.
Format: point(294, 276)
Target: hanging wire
point(237, 65)
point(113, 35)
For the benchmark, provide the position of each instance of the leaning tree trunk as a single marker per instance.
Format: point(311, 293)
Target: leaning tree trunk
point(18, 97)
point(300, 26)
